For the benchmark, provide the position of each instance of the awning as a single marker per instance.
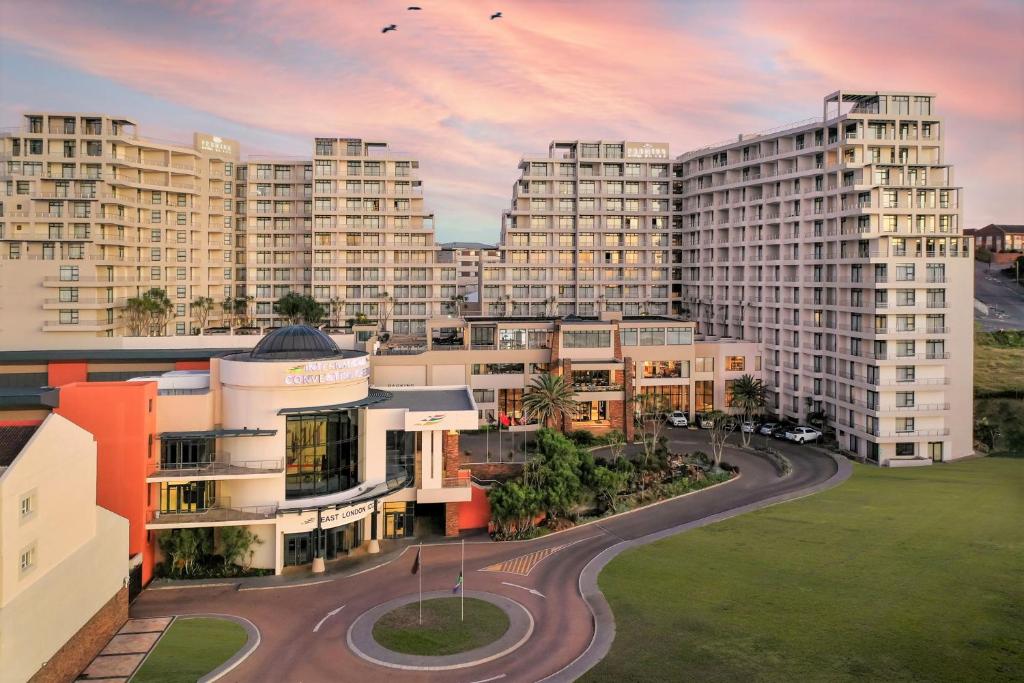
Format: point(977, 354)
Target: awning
point(218, 433)
point(373, 397)
point(29, 397)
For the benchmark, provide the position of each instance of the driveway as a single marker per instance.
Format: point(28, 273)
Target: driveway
point(1004, 298)
point(303, 641)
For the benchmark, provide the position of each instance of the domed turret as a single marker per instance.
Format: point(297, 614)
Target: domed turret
point(295, 342)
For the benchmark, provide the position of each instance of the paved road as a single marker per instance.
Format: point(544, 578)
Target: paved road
point(286, 616)
point(1004, 299)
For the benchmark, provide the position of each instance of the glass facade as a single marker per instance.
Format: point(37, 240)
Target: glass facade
point(185, 453)
point(400, 451)
point(322, 453)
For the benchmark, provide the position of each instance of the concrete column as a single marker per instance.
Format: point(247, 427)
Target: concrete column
point(629, 394)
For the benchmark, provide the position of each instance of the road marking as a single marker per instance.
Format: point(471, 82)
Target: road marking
point(524, 564)
point(492, 678)
point(516, 585)
point(328, 616)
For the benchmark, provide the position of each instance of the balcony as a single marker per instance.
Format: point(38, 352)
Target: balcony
point(220, 512)
point(582, 387)
point(452, 490)
point(217, 469)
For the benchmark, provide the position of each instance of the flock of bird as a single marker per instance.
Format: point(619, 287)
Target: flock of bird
point(416, 8)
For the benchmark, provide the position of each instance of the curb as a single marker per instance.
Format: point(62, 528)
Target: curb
point(600, 610)
point(251, 643)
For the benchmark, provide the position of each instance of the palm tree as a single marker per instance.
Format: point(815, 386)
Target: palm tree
point(549, 397)
point(202, 307)
point(135, 316)
point(748, 394)
point(159, 309)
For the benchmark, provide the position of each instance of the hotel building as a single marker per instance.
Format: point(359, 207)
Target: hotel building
point(92, 214)
point(347, 227)
point(837, 244)
point(588, 231)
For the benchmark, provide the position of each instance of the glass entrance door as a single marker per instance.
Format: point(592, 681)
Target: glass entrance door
point(399, 520)
point(298, 548)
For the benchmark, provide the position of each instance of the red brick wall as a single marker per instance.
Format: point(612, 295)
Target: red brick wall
point(76, 654)
point(452, 456)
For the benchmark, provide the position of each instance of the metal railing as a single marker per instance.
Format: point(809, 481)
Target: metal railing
point(223, 505)
point(221, 466)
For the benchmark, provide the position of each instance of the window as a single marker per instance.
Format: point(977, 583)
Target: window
point(586, 339)
point(664, 398)
point(497, 368)
point(510, 405)
point(400, 453)
point(322, 453)
point(68, 317)
point(28, 558)
point(661, 369)
point(905, 449)
point(904, 425)
point(483, 395)
point(652, 336)
point(628, 336)
point(735, 364)
point(705, 364)
point(680, 336)
point(28, 505)
point(904, 399)
point(704, 395)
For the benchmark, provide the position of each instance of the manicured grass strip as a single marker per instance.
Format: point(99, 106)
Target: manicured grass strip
point(190, 649)
point(896, 575)
point(442, 632)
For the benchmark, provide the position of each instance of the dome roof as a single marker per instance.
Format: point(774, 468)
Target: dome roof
point(295, 342)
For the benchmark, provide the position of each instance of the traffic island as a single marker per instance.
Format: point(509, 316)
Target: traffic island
point(391, 634)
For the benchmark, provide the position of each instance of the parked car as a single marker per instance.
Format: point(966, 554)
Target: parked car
point(748, 427)
point(780, 431)
point(677, 418)
point(767, 428)
point(803, 434)
point(705, 422)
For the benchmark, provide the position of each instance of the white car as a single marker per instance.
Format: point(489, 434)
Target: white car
point(748, 427)
point(768, 428)
point(803, 434)
point(677, 418)
point(705, 422)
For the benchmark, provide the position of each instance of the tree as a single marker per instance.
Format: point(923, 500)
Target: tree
point(236, 544)
point(514, 506)
point(186, 547)
point(227, 308)
point(299, 308)
point(385, 309)
point(201, 307)
point(549, 397)
point(748, 394)
point(335, 307)
point(135, 316)
point(722, 426)
point(244, 310)
point(607, 484)
point(455, 303)
point(554, 473)
point(156, 310)
point(650, 426)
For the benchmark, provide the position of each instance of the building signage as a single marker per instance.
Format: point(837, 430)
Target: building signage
point(216, 145)
point(328, 371)
point(420, 421)
point(329, 517)
point(646, 150)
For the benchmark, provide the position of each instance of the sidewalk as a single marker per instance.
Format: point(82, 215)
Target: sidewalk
point(337, 569)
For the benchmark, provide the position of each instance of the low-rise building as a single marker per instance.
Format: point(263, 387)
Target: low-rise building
point(64, 569)
point(999, 237)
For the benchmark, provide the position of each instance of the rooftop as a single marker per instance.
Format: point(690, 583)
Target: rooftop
point(12, 440)
point(428, 399)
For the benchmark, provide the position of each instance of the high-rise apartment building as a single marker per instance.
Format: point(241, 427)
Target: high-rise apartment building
point(347, 227)
point(92, 214)
point(837, 244)
point(588, 231)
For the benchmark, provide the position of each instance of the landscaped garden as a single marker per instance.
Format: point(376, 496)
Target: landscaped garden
point(443, 630)
point(190, 649)
point(201, 553)
point(895, 575)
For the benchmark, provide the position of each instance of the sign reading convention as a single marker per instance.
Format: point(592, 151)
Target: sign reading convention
point(328, 371)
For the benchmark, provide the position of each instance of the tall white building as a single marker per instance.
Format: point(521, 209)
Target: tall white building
point(837, 243)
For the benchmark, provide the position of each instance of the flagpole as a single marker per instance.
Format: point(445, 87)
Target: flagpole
point(420, 572)
point(462, 575)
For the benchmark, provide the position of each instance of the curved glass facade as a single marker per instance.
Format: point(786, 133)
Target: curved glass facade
point(322, 453)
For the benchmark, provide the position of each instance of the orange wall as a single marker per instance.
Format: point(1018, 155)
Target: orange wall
point(122, 418)
point(192, 365)
point(476, 513)
point(60, 373)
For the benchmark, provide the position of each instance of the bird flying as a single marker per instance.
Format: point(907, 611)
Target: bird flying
point(413, 7)
point(496, 15)
point(389, 27)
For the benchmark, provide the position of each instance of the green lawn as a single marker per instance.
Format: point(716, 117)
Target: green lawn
point(442, 632)
point(998, 368)
point(191, 648)
point(910, 574)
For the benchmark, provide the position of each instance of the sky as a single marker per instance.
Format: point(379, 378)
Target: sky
point(468, 96)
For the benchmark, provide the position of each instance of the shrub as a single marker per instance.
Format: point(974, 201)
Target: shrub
point(582, 437)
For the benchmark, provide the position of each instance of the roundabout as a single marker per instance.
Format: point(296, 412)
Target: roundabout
point(391, 635)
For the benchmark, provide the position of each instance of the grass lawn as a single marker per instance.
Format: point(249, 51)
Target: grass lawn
point(998, 368)
point(442, 632)
point(896, 575)
point(191, 648)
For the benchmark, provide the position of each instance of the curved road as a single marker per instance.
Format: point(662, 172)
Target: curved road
point(286, 616)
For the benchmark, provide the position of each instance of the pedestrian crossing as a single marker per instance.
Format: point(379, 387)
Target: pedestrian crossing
point(522, 565)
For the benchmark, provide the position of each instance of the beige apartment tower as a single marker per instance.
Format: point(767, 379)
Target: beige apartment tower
point(588, 232)
point(92, 214)
point(837, 243)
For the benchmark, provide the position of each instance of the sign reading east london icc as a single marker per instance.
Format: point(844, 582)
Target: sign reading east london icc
point(646, 150)
point(328, 371)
